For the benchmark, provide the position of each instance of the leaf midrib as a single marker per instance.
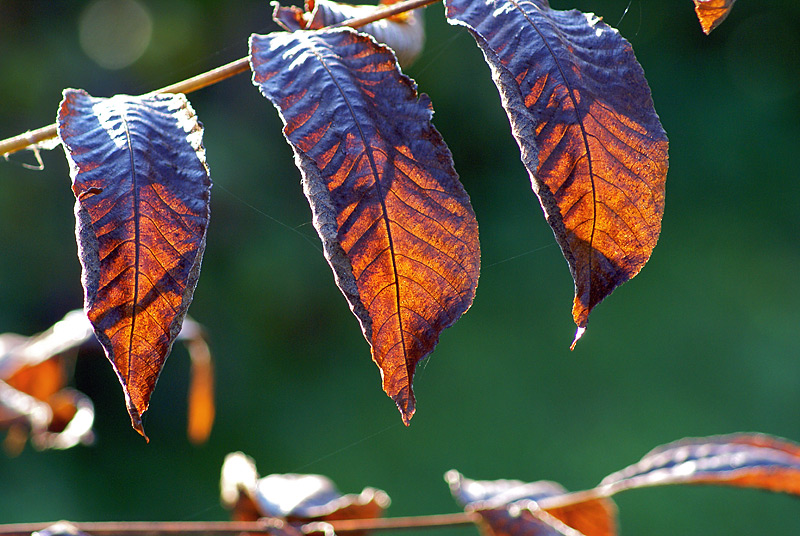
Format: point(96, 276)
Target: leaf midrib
point(385, 212)
point(136, 244)
point(580, 125)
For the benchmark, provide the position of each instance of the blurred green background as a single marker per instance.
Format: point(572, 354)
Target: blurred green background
point(703, 341)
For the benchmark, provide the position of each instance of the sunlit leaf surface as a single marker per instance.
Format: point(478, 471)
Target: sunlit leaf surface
point(711, 13)
point(747, 460)
point(581, 112)
point(403, 33)
point(396, 225)
point(142, 187)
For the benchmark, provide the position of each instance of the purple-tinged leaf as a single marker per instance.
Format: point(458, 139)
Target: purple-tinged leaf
point(581, 112)
point(142, 187)
point(396, 225)
point(746, 460)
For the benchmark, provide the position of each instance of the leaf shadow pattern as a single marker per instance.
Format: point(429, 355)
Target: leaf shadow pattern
point(583, 117)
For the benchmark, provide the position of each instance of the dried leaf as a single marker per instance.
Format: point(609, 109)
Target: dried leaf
point(711, 13)
point(581, 112)
point(517, 520)
point(512, 507)
point(142, 188)
point(746, 460)
point(396, 225)
point(403, 33)
point(201, 389)
point(34, 399)
point(299, 499)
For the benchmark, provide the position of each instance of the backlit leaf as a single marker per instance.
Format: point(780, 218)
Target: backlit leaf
point(581, 112)
point(512, 507)
point(746, 460)
point(711, 13)
point(396, 225)
point(142, 188)
point(403, 33)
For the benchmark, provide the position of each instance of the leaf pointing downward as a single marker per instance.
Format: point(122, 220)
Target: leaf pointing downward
point(711, 13)
point(396, 225)
point(142, 187)
point(581, 112)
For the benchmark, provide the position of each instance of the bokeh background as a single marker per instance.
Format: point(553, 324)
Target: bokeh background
point(704, 341)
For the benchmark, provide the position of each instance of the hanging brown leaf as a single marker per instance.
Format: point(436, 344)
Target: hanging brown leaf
point(581, 112)
point(142, 188)
point(516, 508)
point(201, 388)
point(396, 225)
point(711, 13)
point(309, 501)
point(403, 33)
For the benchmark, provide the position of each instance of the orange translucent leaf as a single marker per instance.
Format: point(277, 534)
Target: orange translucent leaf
point(396, 225)
point(142, 188)
point(581, 112)
point(596, 517)
point(711, 13)
point(403, 33)
point(201, 388)
point(40, 380)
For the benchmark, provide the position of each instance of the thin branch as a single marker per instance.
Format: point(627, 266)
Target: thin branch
point(34, 137)
point(221, 528)
point(384, 13)
point(404, 523)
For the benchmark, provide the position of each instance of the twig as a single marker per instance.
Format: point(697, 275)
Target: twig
point(34, 137)
point(158, 528)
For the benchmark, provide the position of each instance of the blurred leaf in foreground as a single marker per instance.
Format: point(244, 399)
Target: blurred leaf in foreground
point(297, 499)
point(34, 399)
point(511, 508)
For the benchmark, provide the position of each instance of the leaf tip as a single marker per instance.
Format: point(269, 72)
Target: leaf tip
point(407, 409)
point(578, 334)
point(136, 418)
